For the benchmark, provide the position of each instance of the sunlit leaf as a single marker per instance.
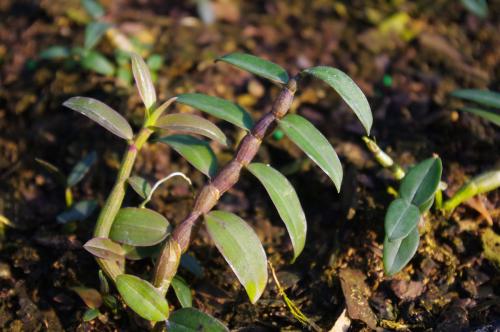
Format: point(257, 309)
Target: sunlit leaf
point(77, 212)
point(182, 292)
point(105, 248)
point(142, 297)
point(81, 168)
point(90, 314)
point(398, 253)
point(476, 7)
point(102, 114)
point(490, 115)
point(481, 97)
point(421, 182)
point(139, 227)
point(348, 90)
point(314, 144)
point(193, 320)
point(191, 124)
point(143, 81)
point(98, 63)
point(93, 8)
point(401, 218)
point(197, 152)
point(257, 66)
point(93, 34)
point(220, 108)
point(91, 297)
point(242, 250)
point(140, 185)
point(286, 201)
point(55, 52)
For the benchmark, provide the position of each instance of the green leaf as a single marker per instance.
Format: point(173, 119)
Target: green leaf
point(142, 297)
point(314, 144)
point(143, 81)
point(193, 320)
point(77, 212)
point(220, 108)
point(182, 291)
point(242, 250)
point(197, 152)
point(398, 253)
point(105, 248)
point(98, 63)
point(286, 201)
point(476, 7)
point(155, 61)
point(257, 66)
point(81, 168)
point(401, 218)
point(90, 314)
point(191, 124)
point(137, 253)
point(348, 90)
point(481, 97)
point(102, 114)
point(103, 283)
point(191, 264)
point(93, 34)
point(140, 185)
point(91, 297)
point(93, 8)
point(55, 52)
point(421, 182)
point(490, 115)
point(139, 227)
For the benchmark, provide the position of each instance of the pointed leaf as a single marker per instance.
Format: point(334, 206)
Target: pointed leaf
point(90, 314)
point(77, 212)
point(490, 115)
point(93, 33)
point(421, 182)
point(348, 90)
point(482, 97)
point(401, 218)
point(220, 108)
point(286, 201)
point(95, 61)
point(314, 144)
point(242, 250)
point(140, 185)
point(398, 253)
point(193, 320)
point(142, 297)
point(143, 81)
point(93, 8)
point(91, 297)
point(102, 114)
point(257, 66)
point(81, 168)
point(191, 124)
point(139, 227)
point(182, 292)
point(55, 52)
point(105, 248)
point(197, 152)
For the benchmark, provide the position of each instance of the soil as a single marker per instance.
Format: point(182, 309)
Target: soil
point(407, 56)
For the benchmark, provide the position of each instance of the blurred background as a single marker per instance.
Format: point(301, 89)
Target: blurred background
point(406, 56)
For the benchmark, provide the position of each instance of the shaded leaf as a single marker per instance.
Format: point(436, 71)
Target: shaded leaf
point(482, 97)
point(81, 168)
point(155, 62)
point(399, 252)
point(78, 212)
point(197, 152)
point(93, 34)
point(137, 253)
point(314, 144)
point(257, 66)
point(142, 297)
point(91, 297)
point(220, 108)
point(55, 52)
point(51, 168)
point(103, 283)
point(90, 314)
point(105, 248)
point(286, 201)
point(102, 114)
point(193, 320)
point(191, 264)
point(242, 250)
point(140, 185)
point(191, 124)
point(421, 182)
point(182, 292)
point(490, 115)
point(93, 8)
point(139, 227)
point(348, 90)
point(476, 7)
point(143, 81)
point(401, 218)
point(98, 63)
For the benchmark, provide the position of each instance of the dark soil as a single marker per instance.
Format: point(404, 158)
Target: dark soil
point(407, 76)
